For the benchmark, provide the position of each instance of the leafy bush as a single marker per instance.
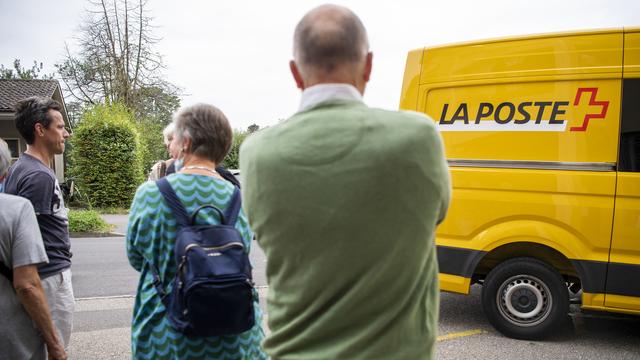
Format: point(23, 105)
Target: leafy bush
point(87, 221)
point(232, 161)
point(152, 142)
point(107, 156)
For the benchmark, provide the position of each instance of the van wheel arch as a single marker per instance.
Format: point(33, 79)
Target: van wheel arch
point(543, 253)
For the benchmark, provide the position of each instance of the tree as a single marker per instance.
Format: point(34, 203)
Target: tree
point(253, 128)
point(20, 73)
point(116, 62)
point(154, 111)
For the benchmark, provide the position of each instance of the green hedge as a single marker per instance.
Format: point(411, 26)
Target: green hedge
point(107, 156)
point(232, 160)
point(152, 142)
point(87, 221)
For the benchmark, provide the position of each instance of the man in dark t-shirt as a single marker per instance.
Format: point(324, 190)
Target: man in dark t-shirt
point(42, 126)
point(31, 179)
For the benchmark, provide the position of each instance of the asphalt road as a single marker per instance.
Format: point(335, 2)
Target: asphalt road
point(104, 284)
point(101, 268)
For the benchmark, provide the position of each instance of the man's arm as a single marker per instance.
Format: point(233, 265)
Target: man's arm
point(28, 252)
point(26, 282)
point(136, 217)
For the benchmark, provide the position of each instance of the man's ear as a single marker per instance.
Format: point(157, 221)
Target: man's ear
point(38, 129)
point(367, 67)
point(296, 75)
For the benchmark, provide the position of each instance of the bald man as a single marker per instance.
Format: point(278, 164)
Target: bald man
point(344, 200)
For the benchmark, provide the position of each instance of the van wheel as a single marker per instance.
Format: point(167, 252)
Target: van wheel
point(524, 298)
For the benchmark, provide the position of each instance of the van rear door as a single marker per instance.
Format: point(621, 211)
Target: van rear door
point(623, 286)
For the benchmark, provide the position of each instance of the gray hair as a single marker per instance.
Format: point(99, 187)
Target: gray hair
point(329, 36)
point(208, 129)
point(168, 132)
point(5, 157)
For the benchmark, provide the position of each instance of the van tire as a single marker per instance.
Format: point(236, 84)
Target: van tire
point(543, 299)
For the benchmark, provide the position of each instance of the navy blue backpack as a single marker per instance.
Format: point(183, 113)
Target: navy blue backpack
point(212, 292)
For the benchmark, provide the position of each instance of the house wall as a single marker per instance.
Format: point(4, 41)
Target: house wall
point(8, 131)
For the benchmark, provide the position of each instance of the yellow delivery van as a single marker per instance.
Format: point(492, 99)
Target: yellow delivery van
point(542, 135)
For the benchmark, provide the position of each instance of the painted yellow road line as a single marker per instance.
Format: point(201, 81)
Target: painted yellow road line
point(460, 334)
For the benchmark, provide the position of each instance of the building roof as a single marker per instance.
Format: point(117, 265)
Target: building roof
point(11, 91)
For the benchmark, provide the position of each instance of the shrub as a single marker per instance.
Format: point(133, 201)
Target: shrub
point(107, 156)
point(152, 143)
point(232, 161)
point(87, 221)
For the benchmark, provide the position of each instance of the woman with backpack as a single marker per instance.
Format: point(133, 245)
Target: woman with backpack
point(164, 325)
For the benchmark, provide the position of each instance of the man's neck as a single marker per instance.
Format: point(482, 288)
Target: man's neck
point(347, 74)
point(41, 154)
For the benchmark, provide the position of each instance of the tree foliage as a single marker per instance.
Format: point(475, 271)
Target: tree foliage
point(253, 128)
point(155, 110)
point(116, 61)
point(21, 73)
point(107, 156)
point(153, 142)
point(232, 160)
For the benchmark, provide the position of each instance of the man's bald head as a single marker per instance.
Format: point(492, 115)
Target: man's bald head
point(328, 38)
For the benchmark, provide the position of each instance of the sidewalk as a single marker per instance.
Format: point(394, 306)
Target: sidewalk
point(120, 222)
point(100, 334)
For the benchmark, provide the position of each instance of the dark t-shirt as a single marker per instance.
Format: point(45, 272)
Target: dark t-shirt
point(31, 179)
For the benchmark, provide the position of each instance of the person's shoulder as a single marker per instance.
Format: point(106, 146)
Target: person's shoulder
point(27, 166)
point(258, 138)
point(413, 123)
point(145, 190)
point(14, 201)
point(149, 185)
point(15, 205)
point(407, 116)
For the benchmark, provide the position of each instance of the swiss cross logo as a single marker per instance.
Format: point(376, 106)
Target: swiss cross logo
point(593, 102)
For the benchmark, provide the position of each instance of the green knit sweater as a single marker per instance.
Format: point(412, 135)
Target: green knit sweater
point(344, 199)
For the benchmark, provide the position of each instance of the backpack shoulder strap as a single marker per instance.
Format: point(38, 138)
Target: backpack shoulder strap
point(174, 203)
point(4, 270)
point(227, 175)
point(232, 211)
point(157, 283)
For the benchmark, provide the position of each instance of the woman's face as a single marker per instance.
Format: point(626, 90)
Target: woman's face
point(174, 147)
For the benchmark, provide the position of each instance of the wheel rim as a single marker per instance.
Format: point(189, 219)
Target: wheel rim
point(524, 300)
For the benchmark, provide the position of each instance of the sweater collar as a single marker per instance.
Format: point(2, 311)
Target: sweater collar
point(320, 93)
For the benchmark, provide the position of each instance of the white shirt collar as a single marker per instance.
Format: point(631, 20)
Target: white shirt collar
point(317, 94)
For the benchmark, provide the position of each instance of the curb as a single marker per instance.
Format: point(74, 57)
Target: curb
point(95, 235)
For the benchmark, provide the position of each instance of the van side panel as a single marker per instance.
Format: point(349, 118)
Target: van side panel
point(587, 54)
point(411, 81)
point(572, 211)
point(531, 130)
point(632, 53)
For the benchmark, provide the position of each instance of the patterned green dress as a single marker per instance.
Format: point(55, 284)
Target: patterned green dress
point(150, 238)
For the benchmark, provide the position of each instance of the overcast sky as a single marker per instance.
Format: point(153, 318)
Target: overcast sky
point(234, 54)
